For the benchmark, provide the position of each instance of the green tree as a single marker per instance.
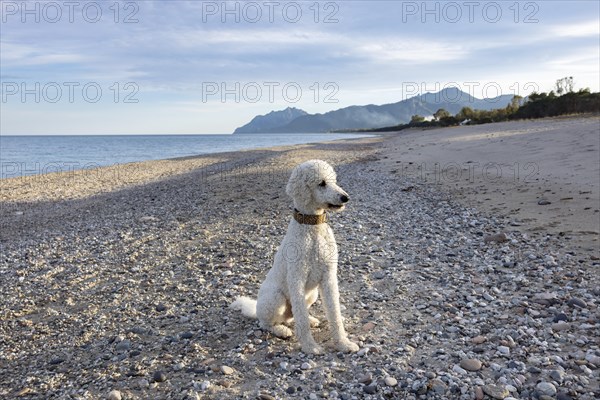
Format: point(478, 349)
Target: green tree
point(441, 113)
point(415, 119)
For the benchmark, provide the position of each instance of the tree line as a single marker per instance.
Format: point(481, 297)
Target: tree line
point(563, 101)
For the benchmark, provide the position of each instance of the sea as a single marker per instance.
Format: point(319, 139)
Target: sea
point(35, 155)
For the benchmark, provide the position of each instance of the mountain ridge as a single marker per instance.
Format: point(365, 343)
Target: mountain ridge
point(371, 116)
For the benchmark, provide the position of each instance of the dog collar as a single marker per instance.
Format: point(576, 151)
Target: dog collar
point(307, 219)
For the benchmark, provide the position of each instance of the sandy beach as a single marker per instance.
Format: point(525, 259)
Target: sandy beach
point(468, 269)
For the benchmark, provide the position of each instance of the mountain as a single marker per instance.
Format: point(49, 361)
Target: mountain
point(272, 120)
point(374, 116)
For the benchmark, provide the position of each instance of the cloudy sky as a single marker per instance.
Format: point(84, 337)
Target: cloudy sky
point(184, 67)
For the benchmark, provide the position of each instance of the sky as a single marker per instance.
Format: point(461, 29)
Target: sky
point(202, 67)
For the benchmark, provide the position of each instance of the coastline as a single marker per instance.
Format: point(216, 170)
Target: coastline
point(107, 281)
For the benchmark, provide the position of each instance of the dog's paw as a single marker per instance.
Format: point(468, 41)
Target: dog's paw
point(347, 346)
point(313, 348)
point(314, 322)
point(281, 331)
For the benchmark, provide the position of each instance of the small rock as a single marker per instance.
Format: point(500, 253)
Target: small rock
point(370, 389)
point(366, 378)
point(575, 302)
point(159, 376)
point(497, 238)
point(479, 339)
point(560, 317)
point(544, 202)
point(124, 345)
point(186, 335)
point(390, 381)
point(228, 370)
point(438, 386)
point(56, 361)
point(470, 364)
point(114, 395)
point(160, 307)
point(546, 388)
point(557, 375)
point(496, 391)
point(459, 370)
point(305, 366)
point(290, 390)
point(265, 396)
point(479, 393)
point(368, 326)
point(379, 275)
point(560, 326)
point(504, 350)
point(592, 358)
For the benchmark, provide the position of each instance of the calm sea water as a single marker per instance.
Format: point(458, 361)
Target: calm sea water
point(32, 155)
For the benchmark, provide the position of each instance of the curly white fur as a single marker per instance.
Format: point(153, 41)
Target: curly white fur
point(305, 264)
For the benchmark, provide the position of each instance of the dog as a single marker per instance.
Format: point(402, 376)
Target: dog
point(305, 263)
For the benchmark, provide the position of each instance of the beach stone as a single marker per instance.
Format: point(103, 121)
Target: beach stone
point(496, 391)
point(546, 388)
point(496, 238)
point(479, 393)
point(305, 366)
point(159, 376)
point(124, 345)
point(560, 317)
point(560, 326)
point(575, 302)
point(557, 375)
point(563, 396)
point(593, 359)
point(504, 350)
point(470, 364)
point(544, 202)
point(366, 378)
point(390, 381)
point(379, 275)
point(160, 307)
point(290, 390)
point(479, 339)
point(438, 386)
point(370, 389)
point(186, 335)
point(114, 395)
point(226, 370)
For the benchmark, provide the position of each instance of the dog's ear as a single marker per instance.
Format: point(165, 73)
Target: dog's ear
point(298, 186)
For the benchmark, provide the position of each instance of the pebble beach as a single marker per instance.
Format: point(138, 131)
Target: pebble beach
point(116, 283)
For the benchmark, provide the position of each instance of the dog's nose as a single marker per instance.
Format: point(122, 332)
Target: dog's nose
point(344, 199)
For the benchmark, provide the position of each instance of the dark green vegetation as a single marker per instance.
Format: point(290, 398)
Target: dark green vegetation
point(537, 105)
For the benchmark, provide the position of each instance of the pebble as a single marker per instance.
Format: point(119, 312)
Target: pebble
point(496, 238)
point(470, 364)
point(504, 350)
point(479, 339)
point(370, 389)
point(114, 395)
point(390, 381)
point(306, 366)
point(575, 302)
point(160, 307)
point(438, 386)
point(365, 378)
point(592, 358)
point(159, 376)
point(496, 391)
point(546, 388)
point(544, 202)
point(226, 370)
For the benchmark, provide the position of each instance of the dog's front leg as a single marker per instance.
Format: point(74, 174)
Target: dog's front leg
point(301, 317)
point(331, 301)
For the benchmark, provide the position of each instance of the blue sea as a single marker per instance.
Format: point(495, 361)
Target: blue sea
point(33, 155)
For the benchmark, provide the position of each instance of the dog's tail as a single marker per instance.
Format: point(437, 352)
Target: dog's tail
point(246, 305)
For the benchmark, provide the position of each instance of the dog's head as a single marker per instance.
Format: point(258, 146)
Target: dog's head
point(313, 188)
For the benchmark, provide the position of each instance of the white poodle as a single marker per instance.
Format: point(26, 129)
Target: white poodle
point(305, 263)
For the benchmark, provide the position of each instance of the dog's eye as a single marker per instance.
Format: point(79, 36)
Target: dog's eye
point(323, 184)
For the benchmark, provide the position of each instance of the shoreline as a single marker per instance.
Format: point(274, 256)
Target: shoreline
point(110, 286)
